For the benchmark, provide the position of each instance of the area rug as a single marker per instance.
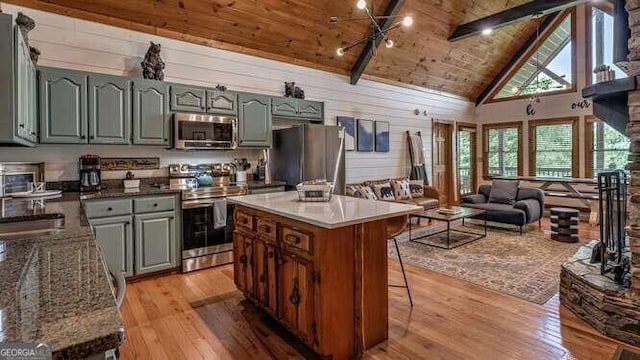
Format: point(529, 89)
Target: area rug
point(525, 266)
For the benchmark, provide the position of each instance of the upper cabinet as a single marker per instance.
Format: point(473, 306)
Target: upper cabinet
point(109, 109)
point(189, 99)
point(151, 115)
point(63, 106)
point(254, 120)
point(199, 100)
point(297, 109)
point(18, 121)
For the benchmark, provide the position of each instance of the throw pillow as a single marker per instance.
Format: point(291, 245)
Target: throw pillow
point(503, 191)
point(417, 188)
point(368, 193)
point(401, 189)
point(355, 191)
point(383, 191)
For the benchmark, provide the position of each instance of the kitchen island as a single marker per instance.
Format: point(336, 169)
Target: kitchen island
point(320, 269)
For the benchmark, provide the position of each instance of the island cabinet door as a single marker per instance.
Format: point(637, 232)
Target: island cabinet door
point(260, 269)
point(244, 263)
point(297, 296)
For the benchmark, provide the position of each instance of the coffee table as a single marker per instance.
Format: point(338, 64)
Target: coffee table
point(434, 214)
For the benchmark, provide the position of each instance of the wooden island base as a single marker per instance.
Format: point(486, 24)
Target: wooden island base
point(327, 286)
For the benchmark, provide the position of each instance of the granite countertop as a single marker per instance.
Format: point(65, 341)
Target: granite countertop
point(55, 288)
point(122, 192)
point(340, 211)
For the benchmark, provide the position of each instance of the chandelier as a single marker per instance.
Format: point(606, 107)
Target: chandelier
point(377, 33)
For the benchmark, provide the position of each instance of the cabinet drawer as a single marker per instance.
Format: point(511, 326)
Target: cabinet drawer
point(266, 229)
point(155, 204)
point(297, 239)
point(244, 220)
point(104, 208)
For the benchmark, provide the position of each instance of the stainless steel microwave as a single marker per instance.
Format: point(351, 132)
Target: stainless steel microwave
point(204, 132)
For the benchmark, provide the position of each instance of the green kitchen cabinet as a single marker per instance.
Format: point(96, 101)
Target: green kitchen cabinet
point(189, 99)
point(151, 114)
point(284, 106)
point(109, 109)
point(254, 121)
point(156, 242)
point(222, 102)
point(115, 238)
point(63, 106)
point(311, 110)
point(18, 123)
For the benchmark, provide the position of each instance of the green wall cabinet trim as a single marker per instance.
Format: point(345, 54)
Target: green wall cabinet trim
point(115, 238)
point(109, 109)
point(190, 99)
point(151, 114)
point(310, 109)
point(63, 106)
point(287, 107)
point(155, 242)
point(222, 102)
point(254, 121)
point(18, 121)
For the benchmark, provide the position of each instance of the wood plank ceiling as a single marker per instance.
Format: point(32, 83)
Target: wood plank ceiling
point(298, 31)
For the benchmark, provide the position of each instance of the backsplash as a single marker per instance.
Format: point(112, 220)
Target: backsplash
point(61, 161)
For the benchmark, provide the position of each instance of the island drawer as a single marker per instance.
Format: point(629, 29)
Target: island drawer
point(266, 228)
point(154, 204)
point(244, 220)
point(105, 208)
point(297, 239)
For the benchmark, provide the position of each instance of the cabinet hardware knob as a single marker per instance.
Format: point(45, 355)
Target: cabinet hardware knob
point(265, 228)
point(243, 259)
point(166, 139)
point(83, 137)
point(155, 205)
point(21, 126)
point(33, 133)
point(294, 239)
point(127, 223)
point(92, 137)
point(110, 209)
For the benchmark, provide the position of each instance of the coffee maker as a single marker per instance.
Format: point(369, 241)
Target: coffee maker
point(89, 171)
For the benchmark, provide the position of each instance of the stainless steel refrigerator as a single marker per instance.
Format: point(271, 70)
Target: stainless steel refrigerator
point(308, 152)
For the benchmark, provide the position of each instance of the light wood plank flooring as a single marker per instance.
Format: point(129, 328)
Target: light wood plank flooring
point(202, 316)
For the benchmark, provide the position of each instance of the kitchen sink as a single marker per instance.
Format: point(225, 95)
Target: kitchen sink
point(30, 228)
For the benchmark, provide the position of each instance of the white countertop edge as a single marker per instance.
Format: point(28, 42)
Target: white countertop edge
point(409, 209)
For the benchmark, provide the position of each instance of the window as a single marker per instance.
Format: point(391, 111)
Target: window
point(607, 149)
point(554, 148)
point(502, 149)
point(548, 67)
point(466, 142)
point(602, 43)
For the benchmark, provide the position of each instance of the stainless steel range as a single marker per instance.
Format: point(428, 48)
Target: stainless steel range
point(207, 219)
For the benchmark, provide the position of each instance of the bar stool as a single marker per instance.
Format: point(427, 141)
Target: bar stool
point(395, 227)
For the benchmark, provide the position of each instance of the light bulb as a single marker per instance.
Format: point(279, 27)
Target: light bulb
point(361, 4)
point(340, 51)
point(407, 21)
point(487, 31)
point(388, 43)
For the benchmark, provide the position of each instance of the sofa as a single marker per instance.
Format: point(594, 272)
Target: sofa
point(400, 190)
point(526, 208)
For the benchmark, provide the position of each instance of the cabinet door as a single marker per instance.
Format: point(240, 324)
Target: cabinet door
point(287, 107)
point(22, 90)
point(114, 236)
point(191, 99)
point(222, 102)
point(151, 116)
point(33, 103)
point(272, 285)
point(240, 261)
point(254, 121)
point(297, 296)
point(260, 270)
point(313, 110)
point(155, 242)
point(109, 109)
point(63, 106)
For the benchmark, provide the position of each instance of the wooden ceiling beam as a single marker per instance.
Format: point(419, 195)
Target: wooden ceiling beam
point(510, 16)
point(367, 53)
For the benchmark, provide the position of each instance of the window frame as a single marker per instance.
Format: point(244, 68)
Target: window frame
point(531, 51)
point(588, 140)
point(574, 121)
point(473, 128)
point(606, 7)
point(485, 145)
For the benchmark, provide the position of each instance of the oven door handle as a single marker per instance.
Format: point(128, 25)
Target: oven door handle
point(194, 204)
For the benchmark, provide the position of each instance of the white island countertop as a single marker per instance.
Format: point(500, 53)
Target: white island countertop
point(340, 211)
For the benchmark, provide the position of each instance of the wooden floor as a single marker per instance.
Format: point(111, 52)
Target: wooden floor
point(202, 316)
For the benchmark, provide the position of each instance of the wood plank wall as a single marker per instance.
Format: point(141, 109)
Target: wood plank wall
point(77, 44)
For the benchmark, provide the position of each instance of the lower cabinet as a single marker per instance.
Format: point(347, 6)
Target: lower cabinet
point(243, 262)
point(296, 295)
point(155, 242)
point(136, 241)
point(115, 238)
point(265, 265)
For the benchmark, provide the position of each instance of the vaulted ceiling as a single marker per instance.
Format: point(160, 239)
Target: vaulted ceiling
point(299, 31)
